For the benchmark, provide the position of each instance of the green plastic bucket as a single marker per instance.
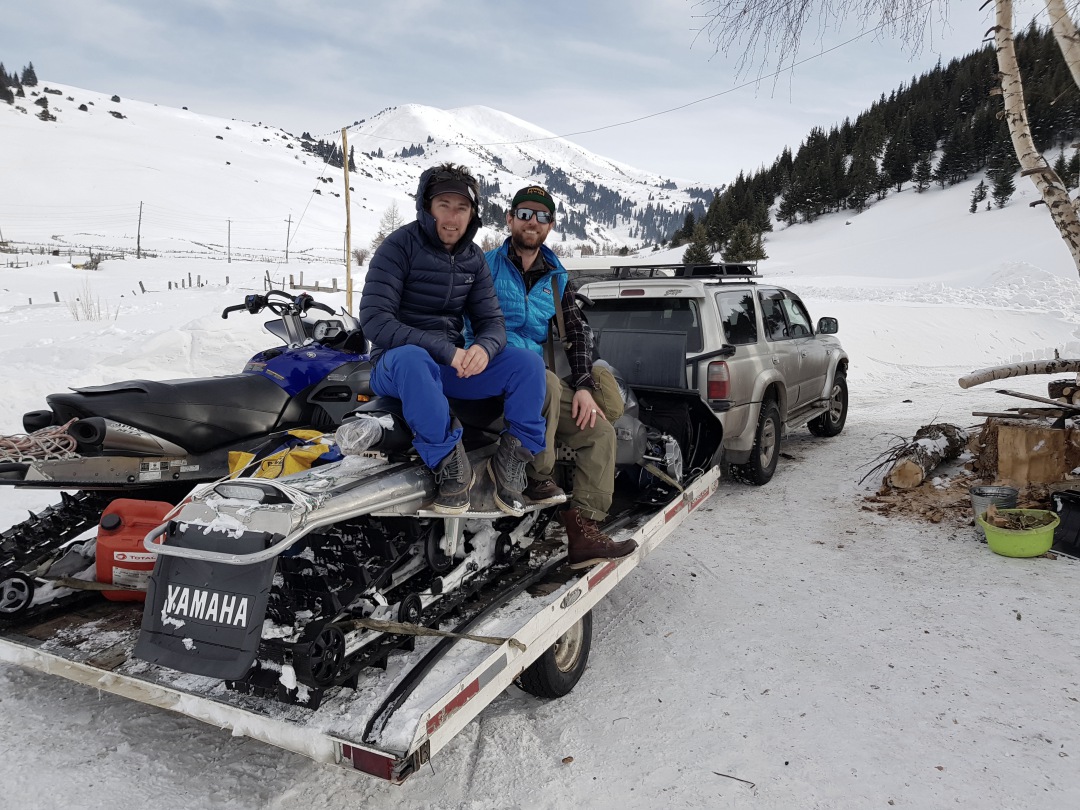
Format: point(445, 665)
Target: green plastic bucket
point(1020, 542)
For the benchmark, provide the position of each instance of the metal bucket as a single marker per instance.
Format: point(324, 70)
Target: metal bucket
point(982, 497)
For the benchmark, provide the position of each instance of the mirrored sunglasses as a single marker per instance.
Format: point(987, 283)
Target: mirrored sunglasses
point(525, 214)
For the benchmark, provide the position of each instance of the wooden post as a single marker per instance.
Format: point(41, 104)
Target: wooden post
point(141, 287)
point(198, 280)
point(292, 284)
point(348, 223)
point(170, 285)
point(301, 278)
point(56, 296)
point(335, 284)
point(189, 279)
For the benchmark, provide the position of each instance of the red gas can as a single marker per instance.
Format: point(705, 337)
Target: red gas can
point(121, 557)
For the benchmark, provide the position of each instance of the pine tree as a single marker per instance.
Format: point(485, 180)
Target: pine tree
point(698, 251)
point(745, 245)
point(1003, 188)
point(29, 78)
point(924, 173)
point(977, 196)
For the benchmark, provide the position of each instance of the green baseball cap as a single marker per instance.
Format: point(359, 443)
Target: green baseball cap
point(536, 194)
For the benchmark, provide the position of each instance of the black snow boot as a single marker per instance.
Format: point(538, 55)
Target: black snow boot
point(454, 478)
point(507, 469)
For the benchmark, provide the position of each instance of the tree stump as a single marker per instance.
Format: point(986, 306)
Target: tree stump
point(932, 445)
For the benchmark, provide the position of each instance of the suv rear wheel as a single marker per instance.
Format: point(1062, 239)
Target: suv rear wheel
point(762, 464)
point(832, 421)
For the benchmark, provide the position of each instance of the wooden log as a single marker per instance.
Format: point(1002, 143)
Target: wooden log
point(1056, 366)
point(932, 445)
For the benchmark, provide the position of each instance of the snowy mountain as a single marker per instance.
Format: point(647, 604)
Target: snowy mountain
point(135, 175)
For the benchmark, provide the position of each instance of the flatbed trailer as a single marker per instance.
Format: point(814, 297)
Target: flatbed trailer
point(395, 719)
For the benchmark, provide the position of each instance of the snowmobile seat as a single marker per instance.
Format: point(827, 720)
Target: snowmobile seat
point(198, 415)
point(481, 418)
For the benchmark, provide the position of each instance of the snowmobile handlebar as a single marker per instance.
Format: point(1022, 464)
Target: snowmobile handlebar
point(291, 305)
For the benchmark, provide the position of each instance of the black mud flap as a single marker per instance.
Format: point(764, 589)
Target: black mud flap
point(202, 617)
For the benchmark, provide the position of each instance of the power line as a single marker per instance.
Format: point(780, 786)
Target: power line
point(669, 110)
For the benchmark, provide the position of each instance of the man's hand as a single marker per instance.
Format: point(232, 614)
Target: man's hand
point(469, 362)
point(584, 409)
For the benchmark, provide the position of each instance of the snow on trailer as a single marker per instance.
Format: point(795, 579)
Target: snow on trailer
point(395, 720)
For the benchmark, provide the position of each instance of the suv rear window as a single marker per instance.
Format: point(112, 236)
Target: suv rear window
point(738, 317)
point(650, 314)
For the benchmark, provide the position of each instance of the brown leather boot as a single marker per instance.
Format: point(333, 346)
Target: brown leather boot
point(543, 492)
point(586, 544)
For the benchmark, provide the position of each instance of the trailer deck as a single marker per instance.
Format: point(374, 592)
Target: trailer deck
point(395, 719)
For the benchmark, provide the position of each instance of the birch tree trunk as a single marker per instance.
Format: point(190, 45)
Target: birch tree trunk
point(1032, 163)
point(932, 445)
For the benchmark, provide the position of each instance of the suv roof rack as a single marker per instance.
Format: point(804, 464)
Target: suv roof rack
point(726, 270)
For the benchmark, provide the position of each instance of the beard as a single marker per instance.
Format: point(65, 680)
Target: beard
point(525, 240)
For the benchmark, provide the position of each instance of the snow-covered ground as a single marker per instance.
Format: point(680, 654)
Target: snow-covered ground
point(784, 649)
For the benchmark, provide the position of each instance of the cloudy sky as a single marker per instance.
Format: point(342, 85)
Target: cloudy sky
point(572, 67)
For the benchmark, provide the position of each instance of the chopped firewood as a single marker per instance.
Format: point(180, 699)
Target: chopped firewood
point(1017, 521)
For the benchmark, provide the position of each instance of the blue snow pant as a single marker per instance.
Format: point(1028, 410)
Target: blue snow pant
point(410, 374)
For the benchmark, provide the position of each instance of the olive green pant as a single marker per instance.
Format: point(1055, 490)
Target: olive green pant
point(594, 469)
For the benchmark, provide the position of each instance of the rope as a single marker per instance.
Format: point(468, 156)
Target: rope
point(50, 443)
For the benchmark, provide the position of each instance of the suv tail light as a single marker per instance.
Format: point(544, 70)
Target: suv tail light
point(718, 380)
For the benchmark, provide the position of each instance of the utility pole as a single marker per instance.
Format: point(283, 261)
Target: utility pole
point(230, 241)
point(348, 222)
point(138, 235)
point(288, 236)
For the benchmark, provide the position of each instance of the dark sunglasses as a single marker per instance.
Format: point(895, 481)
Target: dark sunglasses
point(525, 214)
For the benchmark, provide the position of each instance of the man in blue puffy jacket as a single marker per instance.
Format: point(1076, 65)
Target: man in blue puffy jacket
point(422, 280)
point(528, 279)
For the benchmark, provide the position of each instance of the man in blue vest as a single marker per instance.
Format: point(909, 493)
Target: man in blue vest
point(423, 279)
point(528, 279)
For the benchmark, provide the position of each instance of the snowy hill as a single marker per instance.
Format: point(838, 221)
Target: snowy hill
point(210, 186)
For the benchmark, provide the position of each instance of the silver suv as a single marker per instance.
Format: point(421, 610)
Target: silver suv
point(752, 352)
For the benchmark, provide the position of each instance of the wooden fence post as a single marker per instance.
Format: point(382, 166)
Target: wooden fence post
point(335, 285)
point(141, 287)
point(56, 296)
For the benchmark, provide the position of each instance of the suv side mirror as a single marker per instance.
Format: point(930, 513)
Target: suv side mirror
point(828, 326)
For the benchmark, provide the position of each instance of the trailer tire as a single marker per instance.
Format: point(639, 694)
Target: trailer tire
point(561, 666)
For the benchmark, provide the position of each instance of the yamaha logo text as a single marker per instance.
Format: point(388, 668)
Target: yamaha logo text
point(207, 606)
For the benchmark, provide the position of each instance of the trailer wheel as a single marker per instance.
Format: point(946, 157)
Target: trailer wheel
point(16, 594)
point(561, 666)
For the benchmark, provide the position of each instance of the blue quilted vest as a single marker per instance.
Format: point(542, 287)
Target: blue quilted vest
point(526, 315)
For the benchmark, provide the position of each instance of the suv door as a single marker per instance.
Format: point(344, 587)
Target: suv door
point(783, 351)
point(739, 321)
point(814, 356)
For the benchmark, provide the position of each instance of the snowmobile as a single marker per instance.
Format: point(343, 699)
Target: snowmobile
point(287, 588)
point(156, 440)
